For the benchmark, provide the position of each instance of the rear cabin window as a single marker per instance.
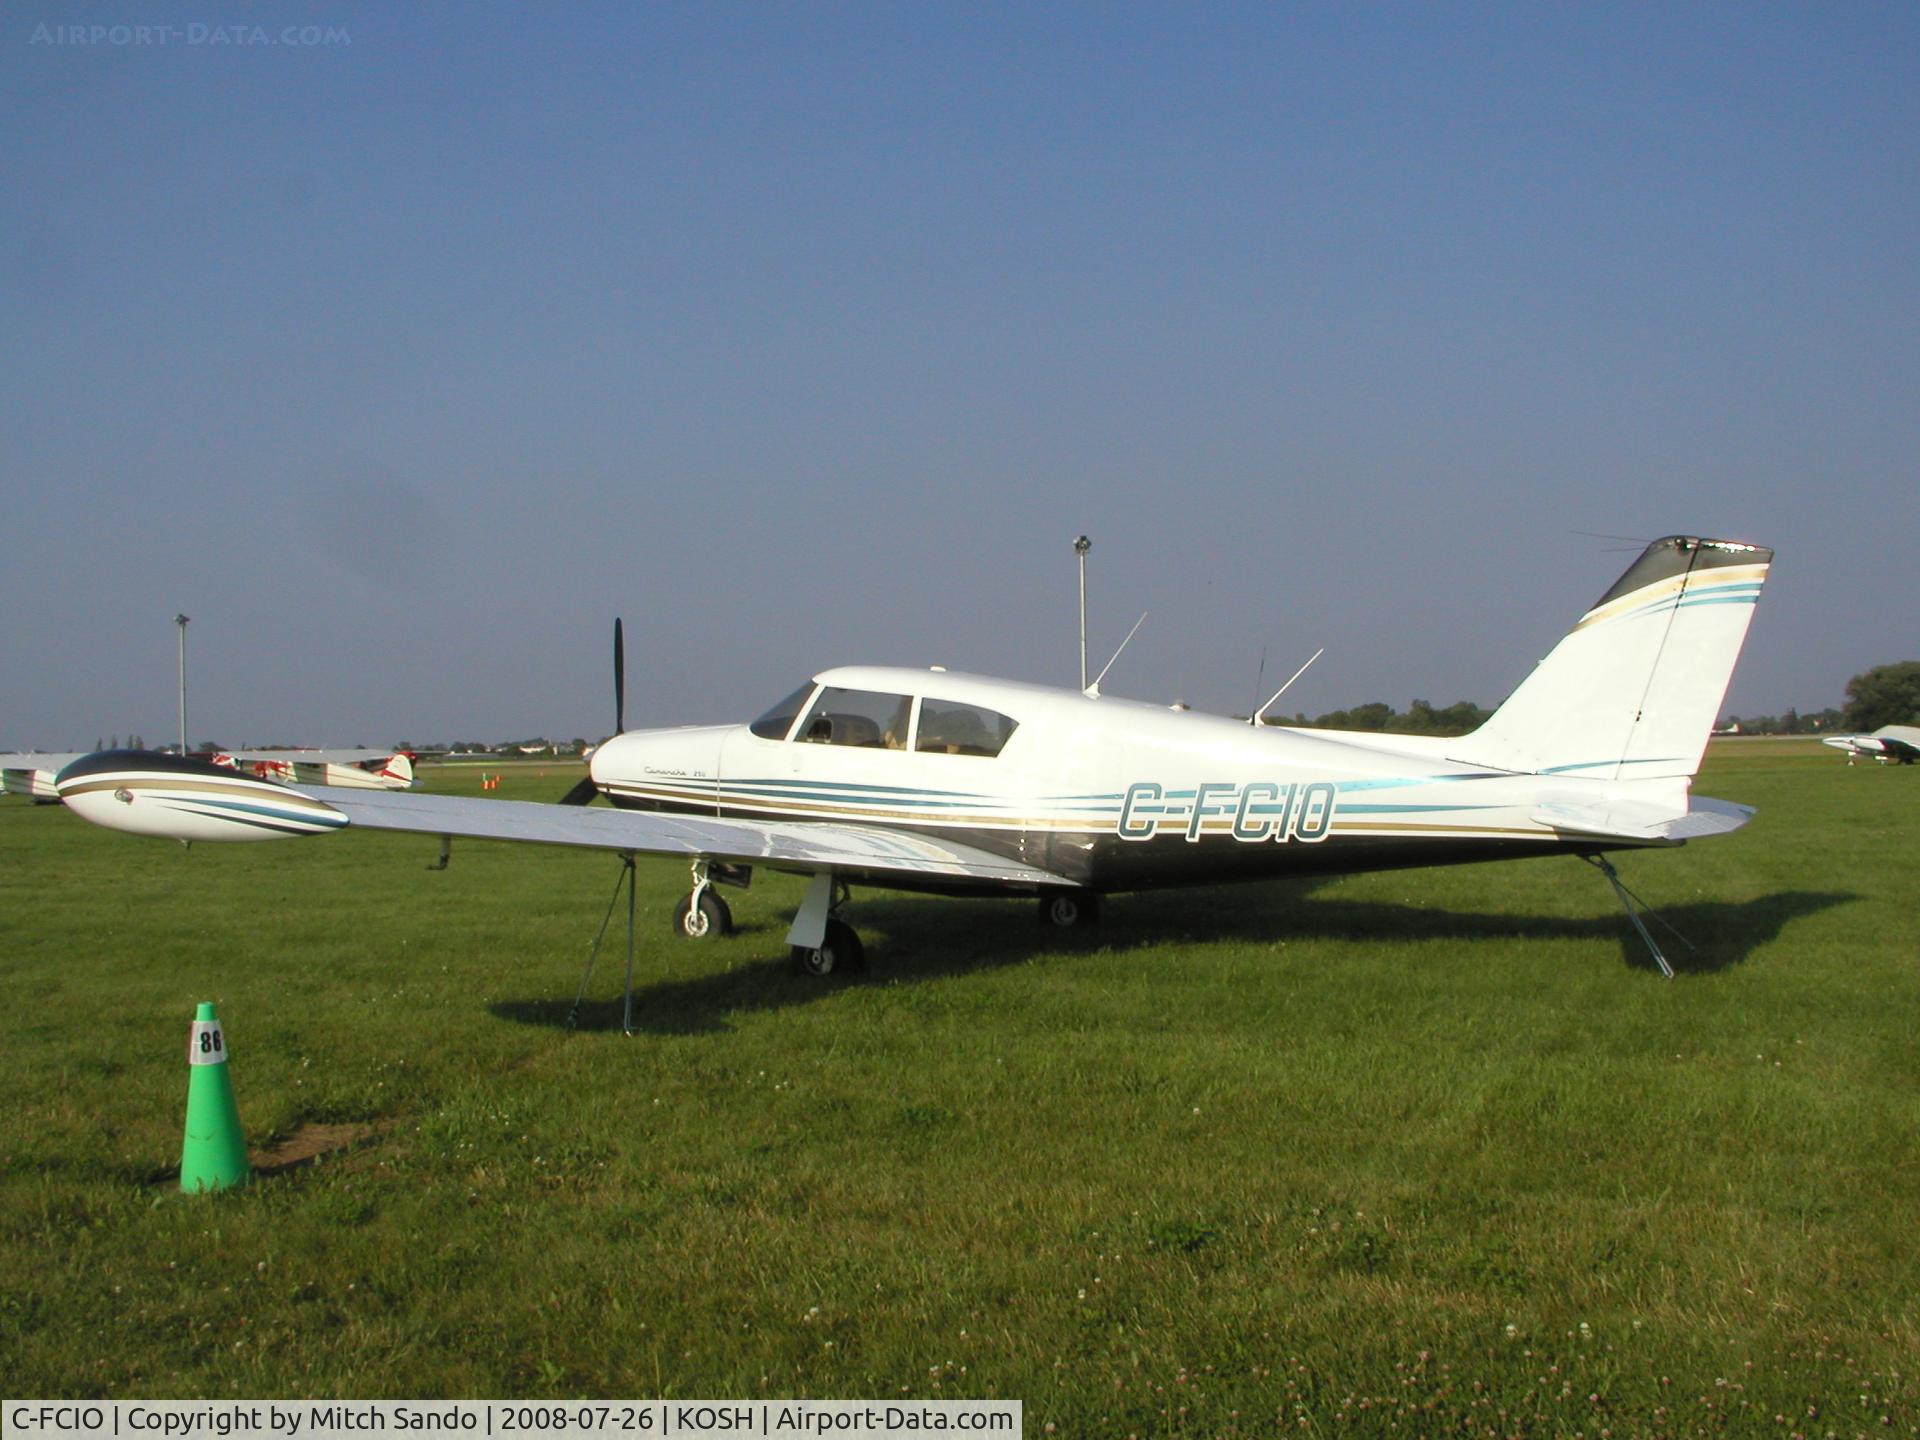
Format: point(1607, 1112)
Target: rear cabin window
point(948, 727)
point(866, 719)
point(776, 722)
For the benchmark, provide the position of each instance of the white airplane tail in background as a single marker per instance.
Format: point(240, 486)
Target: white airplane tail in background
point(1634, 689)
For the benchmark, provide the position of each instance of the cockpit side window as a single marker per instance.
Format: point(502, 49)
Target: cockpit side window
point(949, 727)
point(868, 719)
point(776, 722)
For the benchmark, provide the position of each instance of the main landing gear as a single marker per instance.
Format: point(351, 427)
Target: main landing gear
point(821, 942)
point(839, 951)
point(1069, 909)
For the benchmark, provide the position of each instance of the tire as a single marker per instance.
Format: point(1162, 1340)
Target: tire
point(709, 921)
point(839, 953)
point(1069, 909)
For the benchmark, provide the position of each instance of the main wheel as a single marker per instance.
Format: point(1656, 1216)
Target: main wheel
point(1069, 909)
point(839, 952)
point(708, 920)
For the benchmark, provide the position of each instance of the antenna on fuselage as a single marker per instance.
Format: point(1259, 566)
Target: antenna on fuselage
point(1094, 689)
point(1080, 548)
point(1283, 689)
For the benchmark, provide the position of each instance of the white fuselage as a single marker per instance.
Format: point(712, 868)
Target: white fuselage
point(1113, 793)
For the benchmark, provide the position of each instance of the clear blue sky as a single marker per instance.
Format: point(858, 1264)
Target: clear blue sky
point(403, 359)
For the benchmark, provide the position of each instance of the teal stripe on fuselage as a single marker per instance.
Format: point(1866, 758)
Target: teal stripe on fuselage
point(1408, 809)
point(789, 784)
point(1601, 764)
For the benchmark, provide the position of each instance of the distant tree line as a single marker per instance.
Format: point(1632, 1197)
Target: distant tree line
point(535, 745)
point(1818, 722)
point(1884, 695)
point(1419, 718)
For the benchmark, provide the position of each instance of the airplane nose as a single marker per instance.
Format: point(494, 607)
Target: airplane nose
point(666, 769)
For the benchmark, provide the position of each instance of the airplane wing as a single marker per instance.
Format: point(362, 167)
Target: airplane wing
point(1902, 742)
point(312, 757)
point(32, 774)
point(859, 850)
point(151, 794)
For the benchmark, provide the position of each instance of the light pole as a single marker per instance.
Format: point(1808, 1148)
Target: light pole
point(1080, 548)
point(181, 622)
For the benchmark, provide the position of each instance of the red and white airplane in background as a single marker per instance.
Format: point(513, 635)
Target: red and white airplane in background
point(926, 779)
point(352, 769)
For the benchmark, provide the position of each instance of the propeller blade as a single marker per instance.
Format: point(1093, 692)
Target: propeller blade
point(584, 792)
point(619, 679)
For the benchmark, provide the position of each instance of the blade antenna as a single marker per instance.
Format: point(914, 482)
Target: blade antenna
point(1094, 688)
point(1283, 689)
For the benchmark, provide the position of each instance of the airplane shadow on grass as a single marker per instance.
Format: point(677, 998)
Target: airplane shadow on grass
point(911, 941)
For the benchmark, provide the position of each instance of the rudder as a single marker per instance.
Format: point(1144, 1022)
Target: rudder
point(1633, 690)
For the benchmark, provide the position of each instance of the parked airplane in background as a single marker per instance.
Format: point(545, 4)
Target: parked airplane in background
point(937, 781)
point(35, 774)
point(1898, 743)
point(355, 769)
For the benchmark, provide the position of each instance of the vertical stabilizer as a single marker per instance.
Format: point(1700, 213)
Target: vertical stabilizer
point(1633, 690)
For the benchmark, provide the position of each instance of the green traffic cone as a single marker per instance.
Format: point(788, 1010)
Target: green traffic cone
point(214, 1155)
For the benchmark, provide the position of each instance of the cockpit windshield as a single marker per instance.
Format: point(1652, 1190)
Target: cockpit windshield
point(776, 722)
point(886, 720)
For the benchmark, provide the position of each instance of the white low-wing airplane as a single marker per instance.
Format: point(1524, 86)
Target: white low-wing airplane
point(938, 781)
point(1898, 743)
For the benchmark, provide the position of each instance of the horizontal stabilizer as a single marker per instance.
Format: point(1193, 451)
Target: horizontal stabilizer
point(1641, 821)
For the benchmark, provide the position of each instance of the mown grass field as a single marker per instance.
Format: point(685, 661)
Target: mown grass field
point(1425, 1153)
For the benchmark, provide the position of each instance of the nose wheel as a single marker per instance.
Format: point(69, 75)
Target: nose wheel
point(702, 914)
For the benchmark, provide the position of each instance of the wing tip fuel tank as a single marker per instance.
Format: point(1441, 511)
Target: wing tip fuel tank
point(144, 792)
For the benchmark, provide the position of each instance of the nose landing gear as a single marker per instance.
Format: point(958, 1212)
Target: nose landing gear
point(702, 915)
